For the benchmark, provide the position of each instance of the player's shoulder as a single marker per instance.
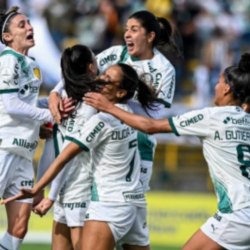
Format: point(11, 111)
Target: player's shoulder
point(161, 60)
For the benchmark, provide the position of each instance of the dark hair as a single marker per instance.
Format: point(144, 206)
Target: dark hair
point(74, 64)
point(170, 42)
point(133, 85)
point(167, 39)
point(238, 78)
point(5, 18)
point(149, 22)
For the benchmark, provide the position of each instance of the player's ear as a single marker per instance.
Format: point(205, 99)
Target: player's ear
point(121, 93)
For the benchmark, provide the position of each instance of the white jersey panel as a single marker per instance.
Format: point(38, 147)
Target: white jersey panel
point(157, 72)
point(19, 74)
point(78, 175)
point(225, 135)
point(115, 157)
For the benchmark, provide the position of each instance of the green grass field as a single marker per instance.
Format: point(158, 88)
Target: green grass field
point(47, 247)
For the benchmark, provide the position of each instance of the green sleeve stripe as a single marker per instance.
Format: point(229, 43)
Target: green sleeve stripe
point(166, 104)
point(55, 139)
point(80, 144)
point(7, 91)
point(171, 123)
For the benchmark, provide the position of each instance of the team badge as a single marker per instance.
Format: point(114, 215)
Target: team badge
point(37, 73)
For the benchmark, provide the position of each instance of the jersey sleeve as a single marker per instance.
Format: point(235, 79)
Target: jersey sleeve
point(108, 57)
point(165, 90)
point(195, 123)
point(9, 74)
point(91, 134)
point(16, 107)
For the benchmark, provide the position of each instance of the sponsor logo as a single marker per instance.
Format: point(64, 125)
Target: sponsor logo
point(27, 183)
point(25, 144)
point(73, 205)
point(242, 121)
point(95, 131)
point(192, 120)
point(108, 59)
point(129, 196)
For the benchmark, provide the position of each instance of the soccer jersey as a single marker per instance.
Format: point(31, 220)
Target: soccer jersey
point(156, 72)
point(225, 137)
point(77, 176)
point(116, 165)
point(19, 74)
point(159, 74)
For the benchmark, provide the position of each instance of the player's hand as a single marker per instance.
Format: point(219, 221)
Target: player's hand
point(97, 101)
point(46, 131)
point(25, 194)
point(43, 207)
point(68, 105)
point(55, 105)
point(38, 198)
point(60, 108)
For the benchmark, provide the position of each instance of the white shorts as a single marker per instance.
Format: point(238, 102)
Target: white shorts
point(126, 221)
point(231, 231)
point(15, 172)
point(72, 214)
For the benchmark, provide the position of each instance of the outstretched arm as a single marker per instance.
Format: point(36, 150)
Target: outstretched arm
point(145, 124)
point(65, 156)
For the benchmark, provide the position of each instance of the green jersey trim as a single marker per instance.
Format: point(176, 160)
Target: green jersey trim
point(124, 56)
point(171, 123)
point(94, 193)
point(80, 144)
point(55, 140)
point(8, 91)
point(146, 147)
point(166, 104)
point(20, 58)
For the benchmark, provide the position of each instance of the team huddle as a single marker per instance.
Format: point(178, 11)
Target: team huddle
point(98, 158)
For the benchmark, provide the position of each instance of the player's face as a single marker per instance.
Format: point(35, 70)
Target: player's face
point(113, 77)
point(138, 41)
point(221, 89)
point(20, 35)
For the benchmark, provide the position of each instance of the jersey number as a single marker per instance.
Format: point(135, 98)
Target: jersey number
point(132, 144)
point(243, 158)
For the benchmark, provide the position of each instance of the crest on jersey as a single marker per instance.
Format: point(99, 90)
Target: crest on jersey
point(37, 73)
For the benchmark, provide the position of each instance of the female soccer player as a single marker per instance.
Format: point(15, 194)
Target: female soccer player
point(71, 190)
point(224, 133)
point(20, 80)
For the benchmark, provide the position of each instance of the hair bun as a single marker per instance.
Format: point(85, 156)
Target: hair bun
point(244, 63)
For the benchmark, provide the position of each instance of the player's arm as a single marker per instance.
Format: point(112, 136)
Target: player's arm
point(56, 166)
point(145, 124)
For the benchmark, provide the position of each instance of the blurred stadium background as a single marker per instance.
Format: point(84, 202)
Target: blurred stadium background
point(214, 32)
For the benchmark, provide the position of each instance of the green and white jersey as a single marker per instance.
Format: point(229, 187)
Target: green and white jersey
point(116, 164)
point(77, 176)
point(19, 74)
point(157, 72)
point(225, 137)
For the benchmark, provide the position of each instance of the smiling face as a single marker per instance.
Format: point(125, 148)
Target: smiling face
point(113, 76)
point(20, 34)
point(138, 41)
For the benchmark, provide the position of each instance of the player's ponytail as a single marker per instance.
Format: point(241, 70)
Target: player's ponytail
point(238, 78)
